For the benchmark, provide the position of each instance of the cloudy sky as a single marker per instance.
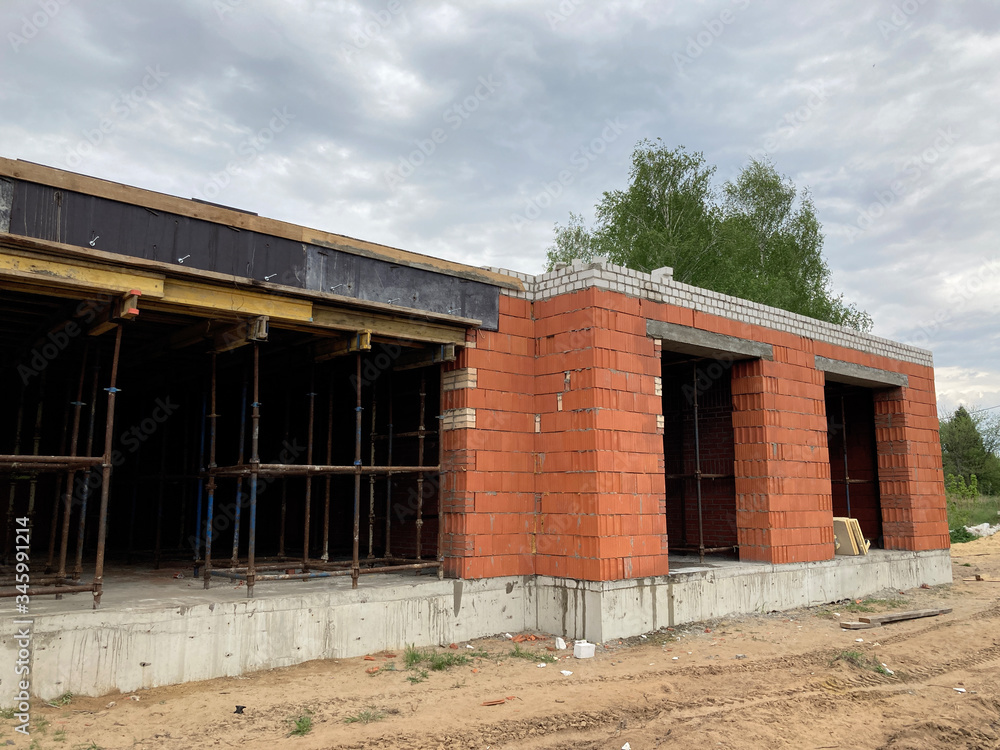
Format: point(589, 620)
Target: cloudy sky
point(466, 130)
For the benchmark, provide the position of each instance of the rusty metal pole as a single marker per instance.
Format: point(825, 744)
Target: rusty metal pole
point(160, 490)
point(58, 496)
point(239, 479)
point(12, 487)
point(254, 471)
point(309, 456)
point(36, 446)
point(388, 479)
point(109, 426)
point(199, 495)
point(697, 465)
point(355, 564)
point(284, 487)
point(847, 472)
point(371, 484)
point(328, 479)
point(74, 437)
point(421, 432)
point(441, 479)
point(85, 491)
point(210, 485)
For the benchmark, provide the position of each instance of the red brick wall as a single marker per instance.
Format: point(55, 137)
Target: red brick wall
point(563, 472)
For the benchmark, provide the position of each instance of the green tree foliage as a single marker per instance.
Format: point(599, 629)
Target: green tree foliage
point(966, 454)
point(756, 238)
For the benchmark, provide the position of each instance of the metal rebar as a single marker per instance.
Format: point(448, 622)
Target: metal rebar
point(81, 529)
point(328, 479)
point(74, 438)
point(109, 426)
point(239, 481)
point(211, 485)
point(697, 465)
point(420, 460)
point(311, 419)
point(254, 464)
point(356, 566)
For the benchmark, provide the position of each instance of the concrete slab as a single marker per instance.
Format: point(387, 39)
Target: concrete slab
point(155, 630)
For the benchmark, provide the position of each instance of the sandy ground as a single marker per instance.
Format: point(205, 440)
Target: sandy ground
point(765, 681)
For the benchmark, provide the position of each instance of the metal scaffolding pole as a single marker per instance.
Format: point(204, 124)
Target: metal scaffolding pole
point(356, 566)
point(12, 487)
point(254, 466)
point(210, 487)
point(697, 464)
point(239, 481)
point(58, 495)
point(328, 479)
point(284, 486)
point(109, 426)
point(85, 491)
point(371, 485)
point(388, 479)
point(160, 490)
point(35, 451)
point(74, 437)
point(440, 480)
point(309, 454)
point(199, 496)
point(421, 434)
point(847, 473)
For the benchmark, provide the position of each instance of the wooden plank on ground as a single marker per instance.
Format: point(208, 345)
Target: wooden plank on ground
point(858, 625)
point(913, 614)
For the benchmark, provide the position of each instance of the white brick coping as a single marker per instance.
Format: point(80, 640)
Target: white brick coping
point(660, 286)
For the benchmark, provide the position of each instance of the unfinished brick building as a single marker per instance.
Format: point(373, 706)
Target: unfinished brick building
point(594, 452)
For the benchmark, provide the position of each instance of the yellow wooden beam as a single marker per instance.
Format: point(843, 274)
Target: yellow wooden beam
point(181, 295)
point(80, 276)
point(395, 327)
point(329, 349)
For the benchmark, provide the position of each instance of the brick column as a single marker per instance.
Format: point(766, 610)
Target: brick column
point(783, 491)
point(911, 478)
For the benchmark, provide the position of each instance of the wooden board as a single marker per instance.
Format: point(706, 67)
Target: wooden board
point(912, 614)
point(858, 625)
point(845, 539)
point(859, 538)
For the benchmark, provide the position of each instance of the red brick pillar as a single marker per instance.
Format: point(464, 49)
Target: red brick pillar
point(914, 515)
point(783, 494)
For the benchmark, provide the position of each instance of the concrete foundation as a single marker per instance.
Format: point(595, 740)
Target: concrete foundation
point(170, 632)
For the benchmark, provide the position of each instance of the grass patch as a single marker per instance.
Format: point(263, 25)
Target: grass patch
point(419, 677)
point(59, 735)
point(964, 511)
point(367, 716)
point(960, 535)
point(412, 657)
point(63, 700)
point(874, 605)
point(7, 713)
point(41, 724)
point(520, 653)
point(302, 725)
point(860, 661)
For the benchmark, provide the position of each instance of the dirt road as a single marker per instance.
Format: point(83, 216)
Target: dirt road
point(789, 680)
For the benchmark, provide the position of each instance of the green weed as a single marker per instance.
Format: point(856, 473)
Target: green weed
point(303, 725)
point(367, 716)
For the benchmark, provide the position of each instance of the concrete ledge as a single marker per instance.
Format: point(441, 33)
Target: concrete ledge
point(686, 340)
point(200, 635)
point(838, 371)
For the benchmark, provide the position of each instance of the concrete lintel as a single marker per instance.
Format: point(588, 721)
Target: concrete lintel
point(838, 371)
point(677, 338)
